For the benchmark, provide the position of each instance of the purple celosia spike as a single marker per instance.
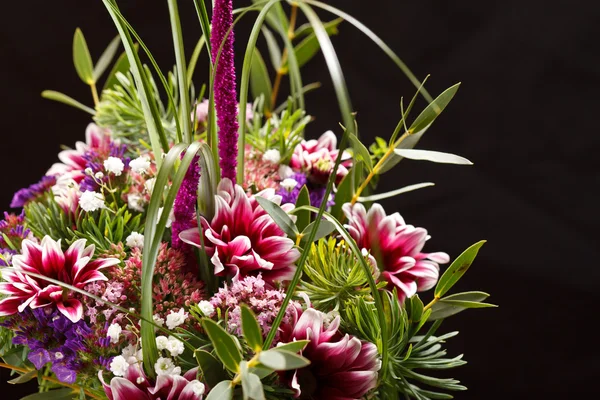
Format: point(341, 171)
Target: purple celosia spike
point(224, 89)
point(184, 207)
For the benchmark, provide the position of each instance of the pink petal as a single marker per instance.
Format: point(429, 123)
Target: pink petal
point(122, 389)
point(53, 258)
point(191, 236)
point(72, 309)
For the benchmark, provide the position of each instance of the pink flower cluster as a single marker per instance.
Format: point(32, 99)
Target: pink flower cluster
point(317, 158)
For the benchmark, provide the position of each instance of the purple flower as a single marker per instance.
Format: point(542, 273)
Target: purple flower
point(184, 207)
point(225, 94)
point(316, 191)
point(12, 227)
point(26, 195)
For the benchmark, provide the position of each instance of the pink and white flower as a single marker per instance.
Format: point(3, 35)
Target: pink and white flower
point(396, 248)
point(342, 367)
point(242, 239)
point(317, 158)
point(135, 385)
point(74, 267)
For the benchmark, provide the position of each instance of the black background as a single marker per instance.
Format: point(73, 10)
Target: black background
point(525, 115)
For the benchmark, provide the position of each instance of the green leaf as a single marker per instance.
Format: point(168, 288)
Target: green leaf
point(303, 217)
point(406, 189)
point(23, 378)
point(252, 388)
point(212, 369)
point(59, 394)
point(281, 218)
point(457, 269)
point(122, 66)
point(446, 308)
point(433, 110)
point(194, 60)
point(276, 18)
point(308, 48)
point(293, 347)
point(361, 151)
point(345, 191)
point(106, 57)
point(260, 83)
point(274, 50)
point(223, 391)
point(251, 329)
point(325, 228)
point(63, 98)
point(282, 360)
point(224, 344)
point(433, 156)
point(82, 58)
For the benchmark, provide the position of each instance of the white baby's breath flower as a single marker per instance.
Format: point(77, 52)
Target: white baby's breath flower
point(140, 165)
point(272, 156)
point(158, 320)
point(197, 387)
point(285, 171)
point(206, 308)
point(135, 239)
point(165, 366)
point(174, 319)
point(91, 201)
point(134, 202)
point(175, 346)
point(149, 185)
point(99, 175)
point(119, 366)
point(114, 165)
point(289, 184)
point(113, 332)
point(162, 342)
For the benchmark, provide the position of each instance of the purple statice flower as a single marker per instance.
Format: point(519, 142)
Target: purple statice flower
point(26, 195)
point(12, 228)
point(225, 87)
point(261, 298)
point(316, 192)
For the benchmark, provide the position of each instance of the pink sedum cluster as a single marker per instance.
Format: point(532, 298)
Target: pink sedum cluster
point(396, 248)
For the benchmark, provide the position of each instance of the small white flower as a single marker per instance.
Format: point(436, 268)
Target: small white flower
point(197, 387)
point(149, 185)
point(165, 366)
point(134, 202)
point(58, 355)
point(113, 332)
point(289, 184)
point(139, 380)
point(272, 156)
point(91, 201)
point(162, 342)
point(114, 165)
point(206, 308)
point(135, 240)
point(119, 366)
point(89, 171)
point(140, 165)
point(285, 171)
point(169, 220)
point(158, 320)
point(99, 175)
point(174, 319)
point(129, 351)
point(174, 346)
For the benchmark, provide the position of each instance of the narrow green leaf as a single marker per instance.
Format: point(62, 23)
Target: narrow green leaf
point(223, 391)
point(106, 57)
point(294, 347)
point(23, 378)
point(457, 269)
point(63, 98)
point(282, 360)
point(433, 156)
point(467, 304)
point(82, 58)
point(433, 110)
point(212, 370)
point(58, 394)
point(281, 218)
point(204, 24)
point(361, 152)
point(207, 187)
point(325, 228)
point(260, 83)
point(274, 50)
point(309, 47)
point(306, 29)
point(251, 329)
point(122, 66)
point(344, 193)
point(304, 90)
point(194, 60)
point(303, 217)
point(446, 308)
point(276, 18)
point(467, 296)
point(224, 344)
point(406, 189)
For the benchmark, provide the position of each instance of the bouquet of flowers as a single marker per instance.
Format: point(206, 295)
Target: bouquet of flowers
point(198, 245)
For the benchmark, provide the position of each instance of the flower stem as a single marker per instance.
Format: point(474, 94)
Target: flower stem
point(95, 94)
point(431, 303)
point(50, 379)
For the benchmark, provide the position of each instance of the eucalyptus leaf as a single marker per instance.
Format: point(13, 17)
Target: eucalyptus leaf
point(224, 345)
point(361, 151)
point(251, 329)
point(282, 360)
point(274, 50)
point(433, 110)
point(63, 98)
point(433, 156)
point(252, 388)
point(457, 269)
point(82, 58)
point(223, 391)
point(212, 370)
point(281, 218)
point(325, 228)
point(58, 394)
point(406, 189)
point(446, 308)
point(293, 347)
point(303, 217)
point(260, 83)
point(106, 57)
point(24, 378)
